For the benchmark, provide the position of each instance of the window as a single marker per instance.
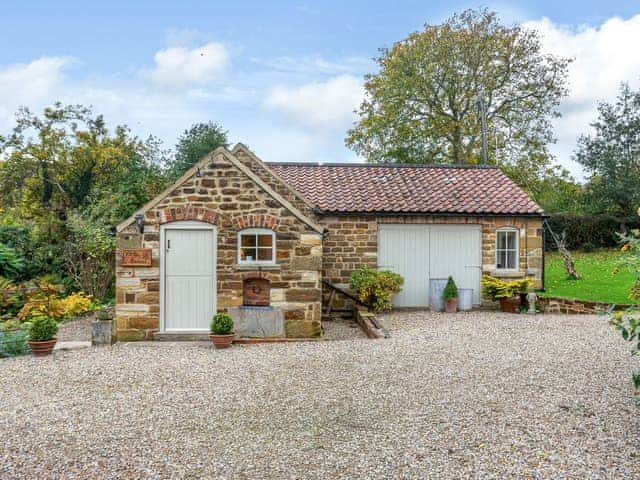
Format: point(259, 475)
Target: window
point(507, 249)
point(256, 245)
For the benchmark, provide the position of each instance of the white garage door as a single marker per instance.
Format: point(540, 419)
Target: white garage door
point(421, 252)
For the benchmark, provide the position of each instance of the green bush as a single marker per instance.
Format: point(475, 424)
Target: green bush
point(376, 287)
point(450, 291)
point(42, 328)
point(89, 255)
point(222, 324)
point(11, 265)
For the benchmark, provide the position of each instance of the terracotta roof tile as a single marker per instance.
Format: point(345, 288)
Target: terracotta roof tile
point(406, 188)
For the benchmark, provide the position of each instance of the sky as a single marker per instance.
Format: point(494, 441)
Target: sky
point(282, 77)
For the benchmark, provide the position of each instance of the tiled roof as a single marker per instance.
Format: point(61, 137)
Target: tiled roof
point(406, 188)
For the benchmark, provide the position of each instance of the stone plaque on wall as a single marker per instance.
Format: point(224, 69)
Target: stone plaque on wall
point(136, 257)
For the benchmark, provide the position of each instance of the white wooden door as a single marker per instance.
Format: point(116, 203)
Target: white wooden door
point(422, 252)
point(404, 249)
point(189, 277)
point(456, 250)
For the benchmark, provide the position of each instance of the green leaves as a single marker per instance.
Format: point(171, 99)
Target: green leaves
point(611, 154)
point(11, 265)
point(42, 328)
point(193, 144)
point(450, 290)
point(222, 324)
point(376, 287)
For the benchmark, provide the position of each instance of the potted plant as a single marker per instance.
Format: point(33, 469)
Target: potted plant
point(221, 330)
point(507, 293)
point(42, 335)
point(450, 296)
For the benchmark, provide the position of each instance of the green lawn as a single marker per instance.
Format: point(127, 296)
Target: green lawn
point(597, 283)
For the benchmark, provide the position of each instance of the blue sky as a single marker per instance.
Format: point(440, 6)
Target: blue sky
point(282, 77)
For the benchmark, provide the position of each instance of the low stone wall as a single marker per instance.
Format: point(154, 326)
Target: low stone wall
point(570, 306)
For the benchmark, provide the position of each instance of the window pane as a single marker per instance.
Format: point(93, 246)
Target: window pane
point(502, 240)
point(511, 240)
point(248, 240)
point(265, 254)
point(248, 254)
point(511, 259)
point(501, 259)
point(265, 240)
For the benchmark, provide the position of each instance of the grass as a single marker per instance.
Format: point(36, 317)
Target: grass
point(597, 284)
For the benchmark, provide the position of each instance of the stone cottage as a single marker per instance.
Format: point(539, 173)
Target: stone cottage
point(262, 240)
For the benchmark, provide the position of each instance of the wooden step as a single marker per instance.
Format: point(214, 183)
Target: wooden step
point(181, 336)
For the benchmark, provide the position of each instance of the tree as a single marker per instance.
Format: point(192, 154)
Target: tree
point(612, 154)
point(65, 181)
point(66, 159)
point(422, 107)
point(195, 143)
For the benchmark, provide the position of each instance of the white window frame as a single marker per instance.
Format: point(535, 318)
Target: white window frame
point(257, 231)
point(516, 234)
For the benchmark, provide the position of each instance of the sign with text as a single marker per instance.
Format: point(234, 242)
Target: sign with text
point(136, 257)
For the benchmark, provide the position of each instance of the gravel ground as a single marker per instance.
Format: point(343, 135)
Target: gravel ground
point(478, 395)
point(77, 330)
point(342, 330)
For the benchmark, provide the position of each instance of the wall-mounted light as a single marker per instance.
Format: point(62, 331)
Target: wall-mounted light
point(198, 173)
point(140, 222)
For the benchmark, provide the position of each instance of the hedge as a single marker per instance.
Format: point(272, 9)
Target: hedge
point(588, 232)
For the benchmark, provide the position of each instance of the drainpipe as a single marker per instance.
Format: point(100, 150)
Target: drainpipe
point(544, 251)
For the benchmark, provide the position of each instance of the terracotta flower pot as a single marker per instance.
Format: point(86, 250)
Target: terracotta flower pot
point(43, 348)
point(511, 304)
point(451, 306)
point(221, 341)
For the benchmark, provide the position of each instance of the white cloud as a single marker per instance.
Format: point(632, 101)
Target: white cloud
point(29, 83)
point(604, 56)
point(178, 67)
point(319, 106)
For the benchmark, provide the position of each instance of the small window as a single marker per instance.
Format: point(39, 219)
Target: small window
point(507, 249)
point(256, 245)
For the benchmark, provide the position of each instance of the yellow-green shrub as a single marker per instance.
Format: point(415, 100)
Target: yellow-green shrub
point(495, 288)
point(376, 287)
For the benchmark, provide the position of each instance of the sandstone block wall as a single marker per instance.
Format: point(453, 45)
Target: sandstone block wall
point(352, 242)
point(224, 196)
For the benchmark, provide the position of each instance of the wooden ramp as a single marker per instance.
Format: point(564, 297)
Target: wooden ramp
point(361, 313)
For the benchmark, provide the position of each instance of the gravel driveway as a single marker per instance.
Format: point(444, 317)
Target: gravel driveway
point(478, 395)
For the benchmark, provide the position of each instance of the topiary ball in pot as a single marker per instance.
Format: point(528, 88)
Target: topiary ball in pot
point(42, 335)
point(221, 330)
point(450, 296)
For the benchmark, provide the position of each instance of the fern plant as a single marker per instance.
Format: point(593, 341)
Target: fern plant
point(11, 265)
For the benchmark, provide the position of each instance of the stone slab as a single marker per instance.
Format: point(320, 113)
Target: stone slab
point(72, 345)
point(257, 322)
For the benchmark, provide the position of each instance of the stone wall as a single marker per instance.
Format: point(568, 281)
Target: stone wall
point(571, 306)
point(352, 242)
point(225, 196)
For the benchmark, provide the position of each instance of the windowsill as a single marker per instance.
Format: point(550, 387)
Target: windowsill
point(256, 266)
point(507, 273)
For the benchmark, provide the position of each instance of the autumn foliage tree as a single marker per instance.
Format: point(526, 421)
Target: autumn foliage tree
point(422, 106)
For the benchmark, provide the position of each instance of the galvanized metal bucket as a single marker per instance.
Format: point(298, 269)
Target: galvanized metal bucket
point(436, 286)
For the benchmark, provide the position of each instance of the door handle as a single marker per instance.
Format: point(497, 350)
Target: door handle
point(168, 245)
